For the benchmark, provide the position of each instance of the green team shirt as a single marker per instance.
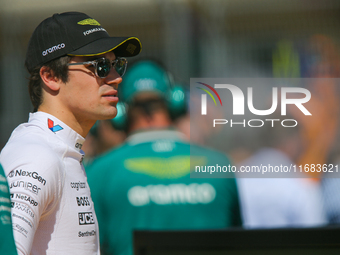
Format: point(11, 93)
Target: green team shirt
point(146, 184)
point(7, 246)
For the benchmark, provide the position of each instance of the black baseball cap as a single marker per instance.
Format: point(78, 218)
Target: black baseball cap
point(75, 34)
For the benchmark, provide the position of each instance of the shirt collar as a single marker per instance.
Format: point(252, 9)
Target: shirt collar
point(54, 126)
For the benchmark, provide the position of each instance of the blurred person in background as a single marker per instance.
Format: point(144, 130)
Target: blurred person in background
point(319, 58)
point(272, 200)
point(322, 135)
point(145, 183)
point(303, 201)
point(7, 246)
point(75, 68)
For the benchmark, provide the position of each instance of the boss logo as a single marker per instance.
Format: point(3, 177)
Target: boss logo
point(83, 201)
point(85, 218)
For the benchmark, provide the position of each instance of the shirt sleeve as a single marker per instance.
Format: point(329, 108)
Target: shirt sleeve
point(33, 174)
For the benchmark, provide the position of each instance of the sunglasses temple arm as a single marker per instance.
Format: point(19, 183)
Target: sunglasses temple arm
point(82, 63)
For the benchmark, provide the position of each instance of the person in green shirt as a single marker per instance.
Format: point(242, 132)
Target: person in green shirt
point(7, 246)
point(145, 183)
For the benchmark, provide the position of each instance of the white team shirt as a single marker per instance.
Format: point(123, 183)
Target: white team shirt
point(52, 209)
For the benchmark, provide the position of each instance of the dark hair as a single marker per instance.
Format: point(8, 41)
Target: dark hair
point(59, 69)
point(145, 107)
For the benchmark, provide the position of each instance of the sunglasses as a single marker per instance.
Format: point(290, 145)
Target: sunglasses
point(103, 66)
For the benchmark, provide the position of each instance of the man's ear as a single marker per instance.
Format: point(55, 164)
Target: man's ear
point(50, 80)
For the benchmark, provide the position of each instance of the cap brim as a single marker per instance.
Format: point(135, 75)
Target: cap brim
point(121, 46)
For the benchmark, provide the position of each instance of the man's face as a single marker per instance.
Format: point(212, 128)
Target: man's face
point(87, 96)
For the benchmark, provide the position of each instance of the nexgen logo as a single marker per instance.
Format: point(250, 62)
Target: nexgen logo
point(238, 100)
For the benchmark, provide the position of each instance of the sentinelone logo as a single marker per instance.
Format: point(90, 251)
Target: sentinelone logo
point(238, 104)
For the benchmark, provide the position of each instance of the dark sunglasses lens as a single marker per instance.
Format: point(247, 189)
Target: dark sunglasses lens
point(103, 67)
point(120, 66)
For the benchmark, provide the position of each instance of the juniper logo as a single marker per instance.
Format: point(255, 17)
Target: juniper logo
point(204, 97)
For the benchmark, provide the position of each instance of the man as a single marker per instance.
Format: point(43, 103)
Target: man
point(7, 245)
point(146, 184)
point(75, 68)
